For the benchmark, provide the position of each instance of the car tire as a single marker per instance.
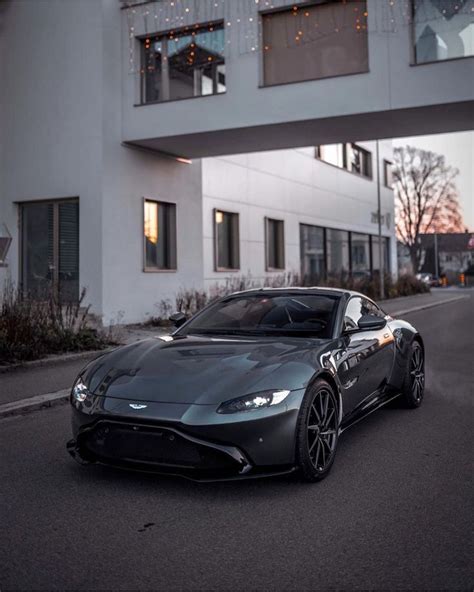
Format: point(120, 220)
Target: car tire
point(414, 382)
point(317, 431)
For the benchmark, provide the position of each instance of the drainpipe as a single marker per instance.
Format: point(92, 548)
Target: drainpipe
point(379, 217)
point(436, 254)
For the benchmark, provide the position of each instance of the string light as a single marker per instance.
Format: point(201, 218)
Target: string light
point(248, 23)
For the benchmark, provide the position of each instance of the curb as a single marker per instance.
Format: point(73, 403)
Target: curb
point(53, 360)
point(60, 397)
point(71, 357)
point(34, 403)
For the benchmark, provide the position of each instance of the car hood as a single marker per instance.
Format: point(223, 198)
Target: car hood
point(204, 370)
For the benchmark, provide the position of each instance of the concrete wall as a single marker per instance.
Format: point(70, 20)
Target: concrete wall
point(291, 185)
point(130, 294)
point(61, 131)
point(51, 118)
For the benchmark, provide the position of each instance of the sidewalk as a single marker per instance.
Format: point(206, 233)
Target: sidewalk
point(54, 373)
point(48, 381)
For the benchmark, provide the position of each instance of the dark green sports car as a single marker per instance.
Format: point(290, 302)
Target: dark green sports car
point(261, 382)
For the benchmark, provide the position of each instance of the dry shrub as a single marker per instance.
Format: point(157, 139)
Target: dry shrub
point(32, 328)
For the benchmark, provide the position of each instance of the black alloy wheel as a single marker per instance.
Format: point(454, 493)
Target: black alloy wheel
point(414, 385)
point(318, 431)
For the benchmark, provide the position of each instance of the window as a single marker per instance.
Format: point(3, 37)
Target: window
point(351, 157)
point(317, 41)
point(358, 307)
point(226, 232)
point(50, 248)
point(275, 244)
point(313, 257)
point(328, 251)
point(442, 30)
point(360, 254)
point(159, 235)
point(388, 174)
point(354, 310)
point(5, 242)
point(183, 64)
point(375, 254)
point(358, 160)
point(332, 154)
point(337, 245)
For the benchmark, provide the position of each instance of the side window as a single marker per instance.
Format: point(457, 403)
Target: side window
point(373, 309)
point(354, 310)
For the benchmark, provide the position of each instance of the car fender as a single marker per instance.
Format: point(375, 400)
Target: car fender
point(404, 334)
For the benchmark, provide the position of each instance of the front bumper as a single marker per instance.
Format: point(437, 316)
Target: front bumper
point(151, 447)
point(188, 440)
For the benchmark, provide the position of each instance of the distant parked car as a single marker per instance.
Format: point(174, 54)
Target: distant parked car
point(429, 279)
point(259, 382)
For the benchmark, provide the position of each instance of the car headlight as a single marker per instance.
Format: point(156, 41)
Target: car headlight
point(79, 391)
point(254, 401)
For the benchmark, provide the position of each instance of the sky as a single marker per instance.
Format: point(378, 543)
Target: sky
point(458, 149)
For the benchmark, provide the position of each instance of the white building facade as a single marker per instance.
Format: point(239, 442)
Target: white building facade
point(89, 200)
point(299, 213)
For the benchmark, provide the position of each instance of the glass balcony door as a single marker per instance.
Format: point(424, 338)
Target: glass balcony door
point(50, 249)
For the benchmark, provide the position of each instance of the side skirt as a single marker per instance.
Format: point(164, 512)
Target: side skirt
point(361, 413)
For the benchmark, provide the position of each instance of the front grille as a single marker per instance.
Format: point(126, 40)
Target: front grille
point(149, 445)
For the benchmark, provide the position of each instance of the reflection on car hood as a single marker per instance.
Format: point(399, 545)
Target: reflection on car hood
point(204, 370)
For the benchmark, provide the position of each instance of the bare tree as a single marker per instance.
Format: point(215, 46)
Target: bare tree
point(426, 197)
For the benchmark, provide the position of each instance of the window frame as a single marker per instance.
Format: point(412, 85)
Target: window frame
point(280, 248)
point(157, 36)
point(325, 249)
point(288, 8)
point(374, 254)
point(363, 298)
point(345, 164)
point(413, 62)
point(368, 243)
point(173, 257)
point(344, 328)
point(371, 246)
point(55, 202)
point(386, 165)
point(218, 268)
point(363, 152)
point(6, 245)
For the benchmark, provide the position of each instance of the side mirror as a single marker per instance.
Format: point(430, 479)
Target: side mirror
point(178, 319)
point(371, 323)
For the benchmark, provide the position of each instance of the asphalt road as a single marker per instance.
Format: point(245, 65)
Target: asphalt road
point(20, 384)
point(394, 514)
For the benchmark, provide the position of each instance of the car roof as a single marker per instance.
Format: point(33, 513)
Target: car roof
point(309, 289)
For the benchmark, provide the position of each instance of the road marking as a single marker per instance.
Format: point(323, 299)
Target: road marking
point(33, 403)
point(426, 306)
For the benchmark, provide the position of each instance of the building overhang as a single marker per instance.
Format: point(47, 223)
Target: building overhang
point(433, 119)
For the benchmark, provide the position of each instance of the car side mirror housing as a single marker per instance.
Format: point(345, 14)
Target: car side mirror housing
point(178, 319)
point(370, 322)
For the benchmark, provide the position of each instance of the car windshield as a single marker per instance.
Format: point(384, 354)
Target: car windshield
point(267, 314)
